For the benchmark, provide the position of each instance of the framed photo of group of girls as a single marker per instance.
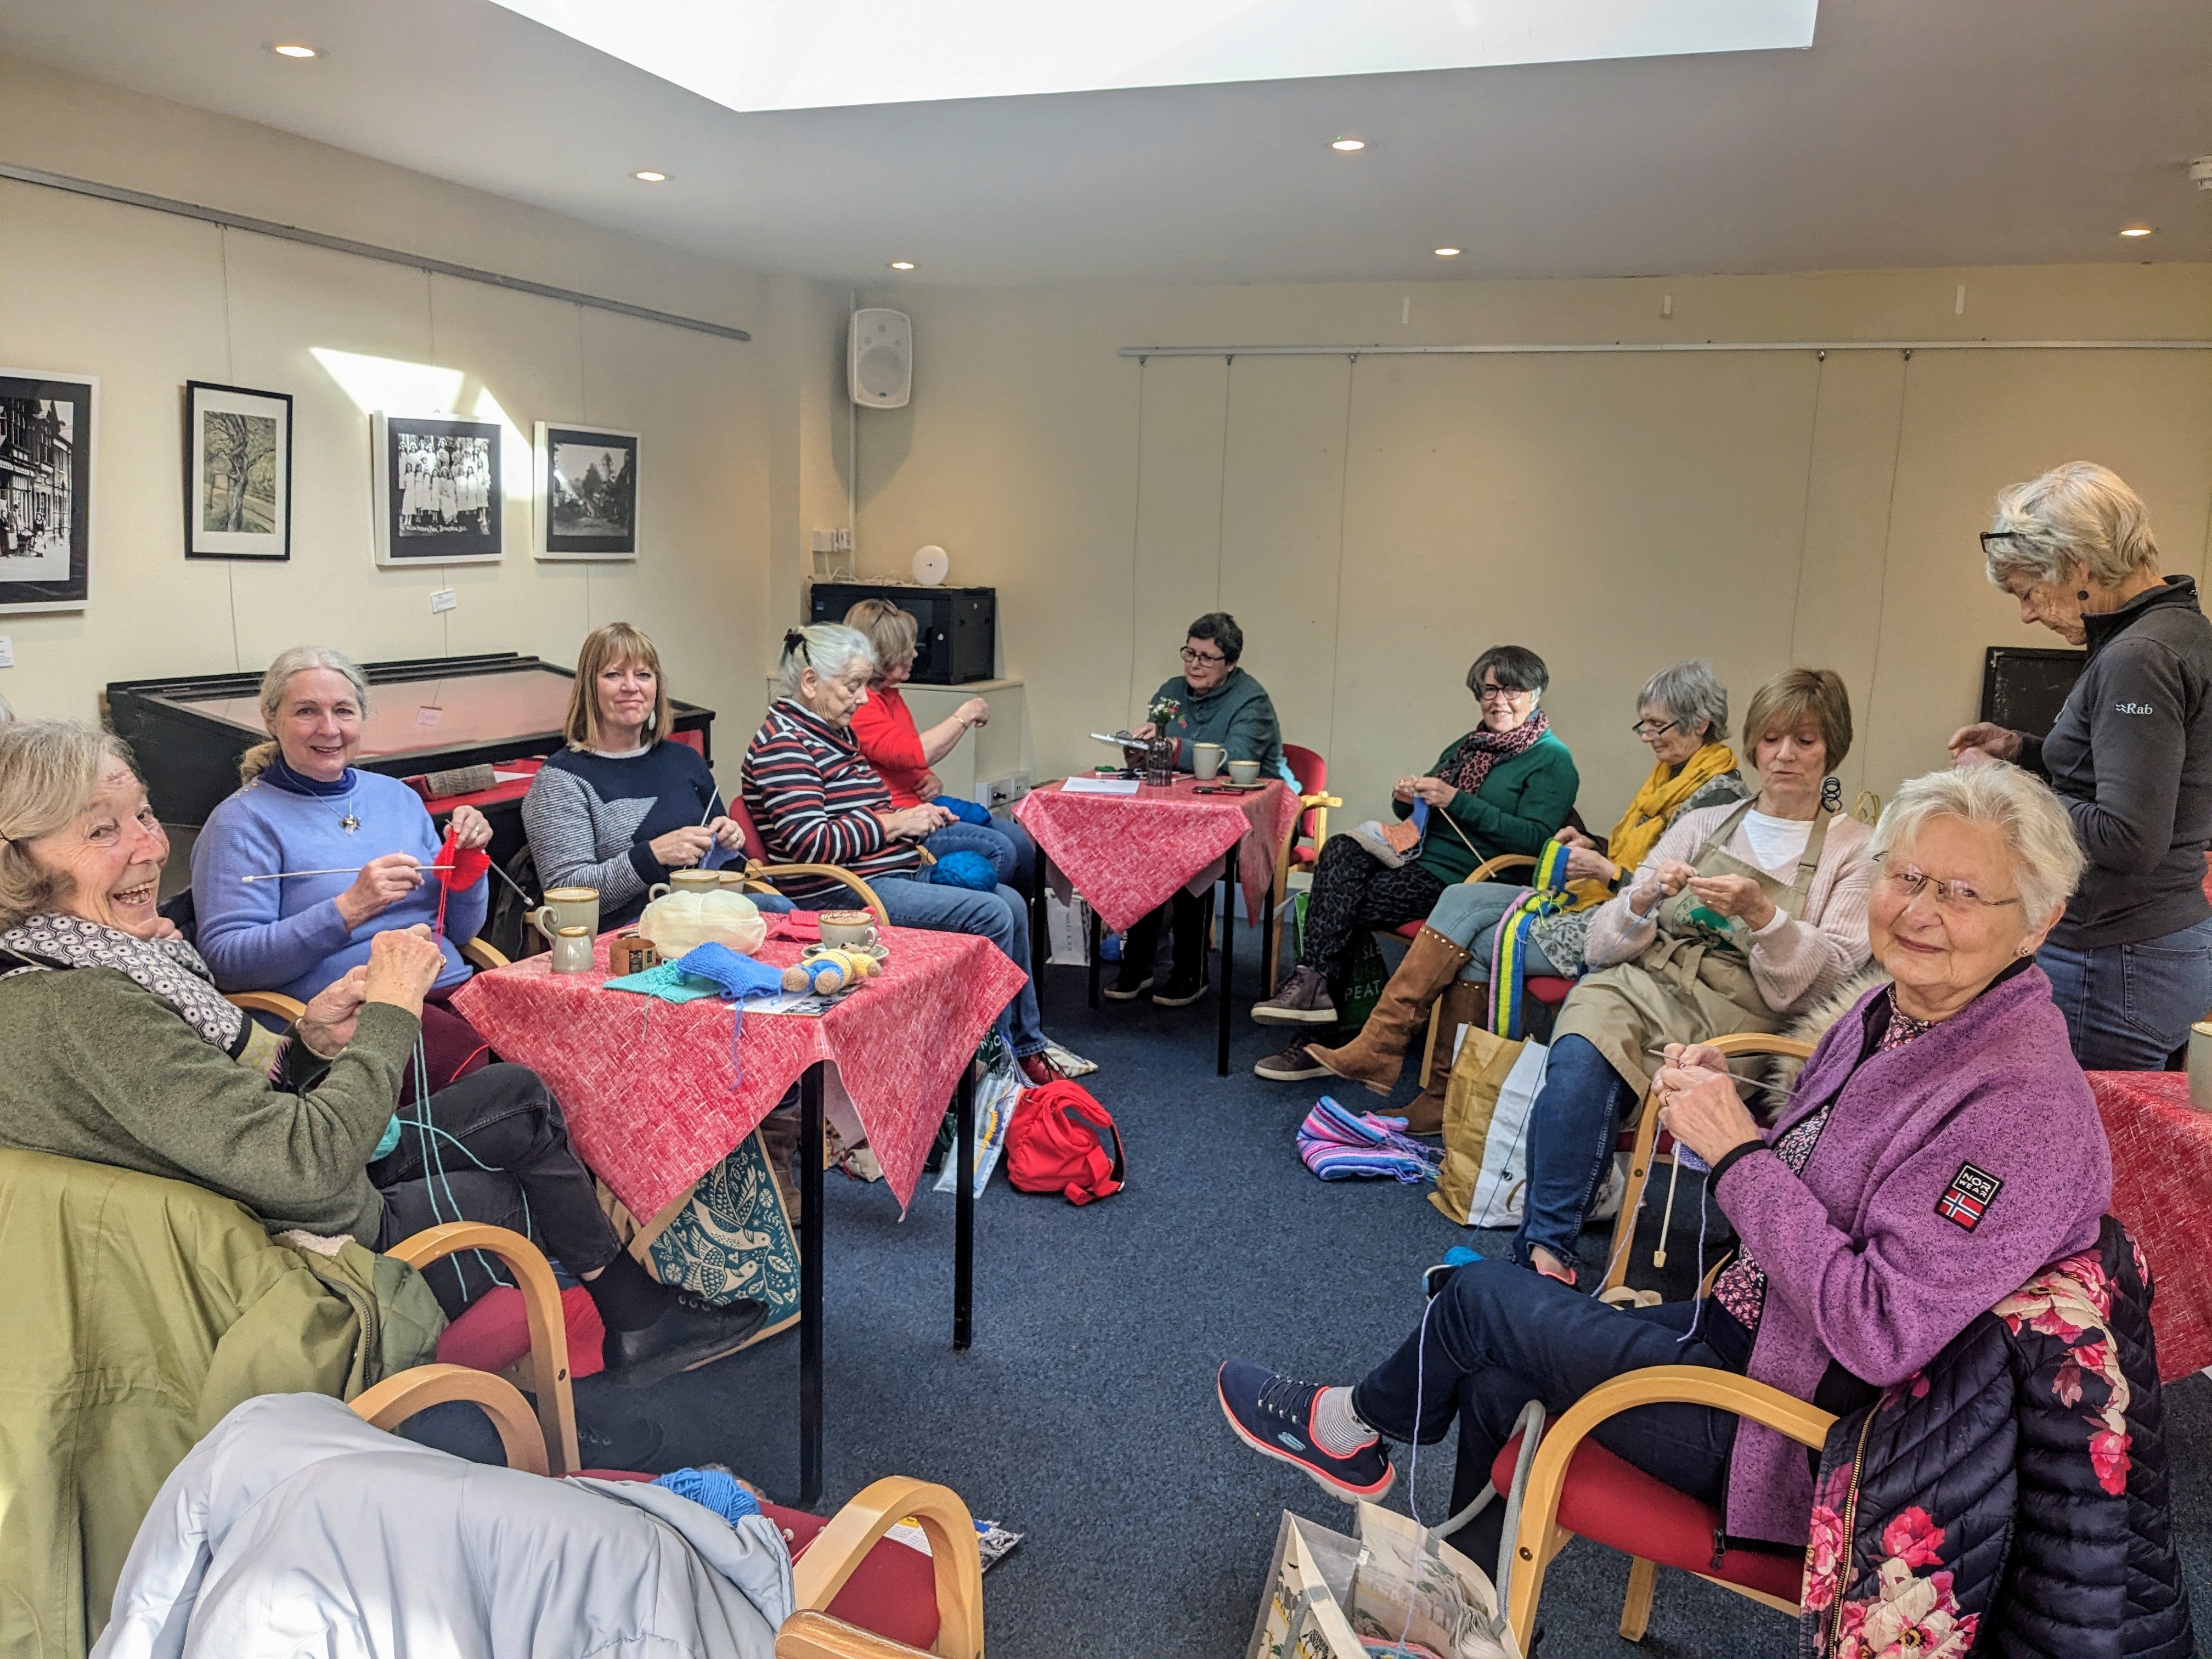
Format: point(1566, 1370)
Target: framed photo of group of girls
point(439, 488)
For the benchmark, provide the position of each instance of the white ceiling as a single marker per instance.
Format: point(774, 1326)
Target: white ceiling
point(1913, 132)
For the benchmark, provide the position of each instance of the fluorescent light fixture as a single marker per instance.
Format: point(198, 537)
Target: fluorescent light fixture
point(760, 56)
point(293, 49)
point(1447, 253)
point(2136, 230)
point(902, 265)
point(1347, 145)
point(649, 176)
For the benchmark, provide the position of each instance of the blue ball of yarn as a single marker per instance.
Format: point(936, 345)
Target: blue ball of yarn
point(964, 868)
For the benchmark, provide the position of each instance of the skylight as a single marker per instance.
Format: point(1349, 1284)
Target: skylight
point(809, 54)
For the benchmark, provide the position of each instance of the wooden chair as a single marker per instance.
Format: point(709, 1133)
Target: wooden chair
point(1650, 1143)
point(479, 953)
point(846, 1564)
point(1302, 849)
point(760, 875)
point(1574, 1487)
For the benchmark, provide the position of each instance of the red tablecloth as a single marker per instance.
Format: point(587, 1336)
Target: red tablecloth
point(645, 1084)
point(1126, 855)
point(2162, 1193)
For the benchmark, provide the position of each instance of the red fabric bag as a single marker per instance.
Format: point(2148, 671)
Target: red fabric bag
point(1063, 1141)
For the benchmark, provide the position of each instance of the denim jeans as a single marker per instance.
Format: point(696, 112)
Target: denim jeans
point(1001, 916)
point(1572, 1127)
point(1498, 1337)
point(1006, 844)
point(1469, 913)
point(2130, 1007)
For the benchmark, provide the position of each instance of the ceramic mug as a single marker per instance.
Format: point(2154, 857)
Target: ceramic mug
point(572, 951)
point(853, 929)
point(566, 907)
point(1205, 760)
point(686, 881)
point(2200, 1066)
point(1245, 773)
point(731, 880)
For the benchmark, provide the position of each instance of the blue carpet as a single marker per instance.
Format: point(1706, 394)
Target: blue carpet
point(1085, 1415)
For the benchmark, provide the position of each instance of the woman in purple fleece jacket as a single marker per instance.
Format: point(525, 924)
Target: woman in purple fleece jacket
point(1939, 1148)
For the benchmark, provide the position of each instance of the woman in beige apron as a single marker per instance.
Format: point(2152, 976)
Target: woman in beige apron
point(1694, 978)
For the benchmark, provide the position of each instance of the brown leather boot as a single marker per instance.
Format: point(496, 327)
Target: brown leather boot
point(1377, 1054)
point(1461, 1005)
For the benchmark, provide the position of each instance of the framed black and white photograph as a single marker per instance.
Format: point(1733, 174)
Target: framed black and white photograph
point(438, 492)
point(47, 423)
point(586, 492)
point(238, 472)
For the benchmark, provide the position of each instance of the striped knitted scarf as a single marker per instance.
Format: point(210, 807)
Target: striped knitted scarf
point(1482, 749)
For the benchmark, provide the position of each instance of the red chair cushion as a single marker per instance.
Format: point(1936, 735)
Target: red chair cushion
point(1304, 854)
point(1609, 1501)
point(494, 1332)
point(1546, 989)
point(893, 1592)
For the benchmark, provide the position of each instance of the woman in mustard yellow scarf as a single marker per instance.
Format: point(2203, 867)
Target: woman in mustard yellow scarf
point(1682, 715)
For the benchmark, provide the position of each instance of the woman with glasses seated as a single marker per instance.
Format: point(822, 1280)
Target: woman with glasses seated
point(1506, 786)
point(1682, 716)
point(2130, 755)
point(1215, 701)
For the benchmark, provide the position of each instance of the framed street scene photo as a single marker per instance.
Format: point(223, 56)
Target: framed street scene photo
point(46, 432)
point(238, 472)
point(586, 492)
point(438, 492)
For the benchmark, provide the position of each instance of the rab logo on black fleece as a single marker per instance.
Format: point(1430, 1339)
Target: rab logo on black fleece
point(2133, 708)
point(1968, 1197)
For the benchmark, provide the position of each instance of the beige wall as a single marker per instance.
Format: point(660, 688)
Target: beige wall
point(737, 436)
point(1375, 524)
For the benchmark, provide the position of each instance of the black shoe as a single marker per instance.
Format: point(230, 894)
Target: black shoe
point(629, 1445)
point(692, 1333)
point(1180, 992)
point(1139, 945)
point(1130, 983)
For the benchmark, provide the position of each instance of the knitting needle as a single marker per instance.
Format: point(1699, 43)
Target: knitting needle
point(1782, 1088)
point(351, 870)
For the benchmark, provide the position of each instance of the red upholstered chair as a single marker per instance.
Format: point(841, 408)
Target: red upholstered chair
point(1541, 987)
point(1574, 1487)
point(860, 1594)
point(1308, 831)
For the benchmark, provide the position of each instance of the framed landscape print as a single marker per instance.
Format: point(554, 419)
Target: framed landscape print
point(439, 497)
point(238, 472)
point(586, 492)
point(48, 430)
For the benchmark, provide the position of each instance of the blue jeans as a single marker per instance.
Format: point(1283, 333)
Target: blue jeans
point(1469, 913)
point(1498, 1338)
point(1572, 1127)
point(1001, 916)
point(1006, 844)
point(2128, 1007)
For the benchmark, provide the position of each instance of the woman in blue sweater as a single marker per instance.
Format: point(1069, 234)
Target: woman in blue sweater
point(303, 805)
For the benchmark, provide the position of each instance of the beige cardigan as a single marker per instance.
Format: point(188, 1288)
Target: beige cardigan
point(1803, 958)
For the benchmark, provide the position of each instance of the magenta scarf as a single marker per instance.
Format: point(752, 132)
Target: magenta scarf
point(1482, 749)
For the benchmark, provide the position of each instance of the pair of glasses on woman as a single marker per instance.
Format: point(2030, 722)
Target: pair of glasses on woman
point(1953, 896)
point(1194, 657)
point(1648, 730)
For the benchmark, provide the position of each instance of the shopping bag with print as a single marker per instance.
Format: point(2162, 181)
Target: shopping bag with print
point(1478, 1072)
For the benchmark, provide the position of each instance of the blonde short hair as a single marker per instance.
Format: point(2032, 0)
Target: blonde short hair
point(616, 645)
point(49, 773)
point(300, 659)
point(2038, 833)
point(891, 632)
point(1794, 696)
point(2079, 512)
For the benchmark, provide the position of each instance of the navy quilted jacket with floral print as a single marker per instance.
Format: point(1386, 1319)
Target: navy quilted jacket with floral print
point(2011, 1498)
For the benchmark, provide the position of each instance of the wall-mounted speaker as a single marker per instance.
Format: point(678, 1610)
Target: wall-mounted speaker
point(879, 359)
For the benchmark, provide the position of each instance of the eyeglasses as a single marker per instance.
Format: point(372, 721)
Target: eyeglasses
point(1999, 538)
point(1954, 896)
point(1648, 730)
point(1488, 693)
point(1194, 657)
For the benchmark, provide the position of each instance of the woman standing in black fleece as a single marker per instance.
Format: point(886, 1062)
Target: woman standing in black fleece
point(2131, 755)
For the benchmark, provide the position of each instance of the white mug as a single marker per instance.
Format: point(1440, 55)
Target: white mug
point(566, 907)
point(1205, 760)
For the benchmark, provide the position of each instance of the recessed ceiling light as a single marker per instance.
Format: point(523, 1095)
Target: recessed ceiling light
point(649, 176)
point(1447, 253)
point(902, 265)
point(1348, 145)
point(293, 49)
point(2136, 230)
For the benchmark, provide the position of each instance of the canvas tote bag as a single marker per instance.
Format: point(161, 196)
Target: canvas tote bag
point(1494, 1084)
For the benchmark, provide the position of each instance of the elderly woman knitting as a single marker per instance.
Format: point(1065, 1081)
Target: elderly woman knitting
point(1939, 1149)
point(1682, 716)
point(816, 800)
point(117, 1048)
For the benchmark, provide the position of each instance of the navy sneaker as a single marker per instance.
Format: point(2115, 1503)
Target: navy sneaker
point(1273, 1414)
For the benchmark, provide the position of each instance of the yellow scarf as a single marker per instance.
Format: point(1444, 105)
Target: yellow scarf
point(1642, 824)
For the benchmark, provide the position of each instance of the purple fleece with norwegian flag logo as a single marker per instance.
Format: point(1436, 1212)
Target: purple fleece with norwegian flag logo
point(1952, 1168)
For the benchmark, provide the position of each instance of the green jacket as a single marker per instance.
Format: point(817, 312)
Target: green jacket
point(139, 1311)
point(92, 1067)
point(1237, 714)
point(1520, 806)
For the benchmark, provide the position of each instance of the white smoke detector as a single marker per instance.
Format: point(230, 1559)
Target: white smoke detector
point(930, 566)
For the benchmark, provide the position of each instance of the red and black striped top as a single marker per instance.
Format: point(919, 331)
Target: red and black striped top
point(814, 799)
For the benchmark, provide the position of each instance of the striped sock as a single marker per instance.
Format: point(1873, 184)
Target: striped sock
point(1337, 1429)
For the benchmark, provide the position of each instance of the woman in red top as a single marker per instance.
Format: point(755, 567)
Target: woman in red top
point(902, 753)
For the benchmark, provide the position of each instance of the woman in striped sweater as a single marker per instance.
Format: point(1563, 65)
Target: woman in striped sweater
point(816, 801)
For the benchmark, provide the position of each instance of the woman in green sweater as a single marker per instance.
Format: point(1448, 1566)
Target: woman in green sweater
point(1504, 788)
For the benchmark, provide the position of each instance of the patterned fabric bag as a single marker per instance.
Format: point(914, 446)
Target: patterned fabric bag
point(732, 1238)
